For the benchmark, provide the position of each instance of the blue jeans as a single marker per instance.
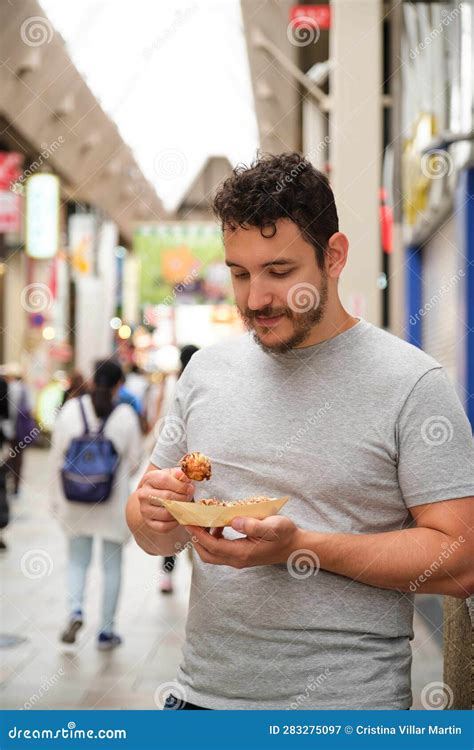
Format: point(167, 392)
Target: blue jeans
point(80, 553)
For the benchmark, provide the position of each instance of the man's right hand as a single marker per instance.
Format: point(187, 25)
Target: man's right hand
point(162, 484)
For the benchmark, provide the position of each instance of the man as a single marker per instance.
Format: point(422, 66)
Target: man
point(312, 608)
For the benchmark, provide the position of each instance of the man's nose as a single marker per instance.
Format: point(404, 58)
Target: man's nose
point(259, 295)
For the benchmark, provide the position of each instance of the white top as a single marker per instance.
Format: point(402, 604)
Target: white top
point(107, 519)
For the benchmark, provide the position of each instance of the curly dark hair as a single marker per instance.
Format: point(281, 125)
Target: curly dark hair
point(282, 186)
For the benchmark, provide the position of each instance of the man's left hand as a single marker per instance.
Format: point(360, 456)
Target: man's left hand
point(267, 542)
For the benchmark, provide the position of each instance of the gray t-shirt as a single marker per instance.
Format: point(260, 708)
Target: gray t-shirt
point(356, 430)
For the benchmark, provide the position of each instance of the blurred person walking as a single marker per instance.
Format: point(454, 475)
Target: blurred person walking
point(77, 386)
point(166, 580)
point(20, 423)
point(137, 383)
point(92, 430)
point(4, 508)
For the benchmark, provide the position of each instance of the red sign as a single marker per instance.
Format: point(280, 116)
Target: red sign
point(311, 16)
point(10, 201)
point(10, 168)
point(10, 212)
point(61, 352)
point(386, 222)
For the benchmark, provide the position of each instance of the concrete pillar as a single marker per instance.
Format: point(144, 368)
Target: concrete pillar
point(356, 146)
point(458, 637)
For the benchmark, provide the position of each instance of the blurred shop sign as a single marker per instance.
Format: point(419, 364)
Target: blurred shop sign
point(61, 352)
point(10, 200)
point(310, 16)
point(81, 236)
point(181, 263)
point(42, 216)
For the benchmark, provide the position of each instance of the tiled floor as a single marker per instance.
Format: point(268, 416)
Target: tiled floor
point(40, 673)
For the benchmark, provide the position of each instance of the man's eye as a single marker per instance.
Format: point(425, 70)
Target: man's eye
point(240, 275)
point(285, 273)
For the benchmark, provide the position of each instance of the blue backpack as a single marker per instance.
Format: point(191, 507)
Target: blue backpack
point(90, 465)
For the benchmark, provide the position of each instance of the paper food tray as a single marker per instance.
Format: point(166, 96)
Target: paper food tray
point(213, 516)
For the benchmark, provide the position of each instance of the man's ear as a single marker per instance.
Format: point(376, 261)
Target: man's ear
point(336, 254)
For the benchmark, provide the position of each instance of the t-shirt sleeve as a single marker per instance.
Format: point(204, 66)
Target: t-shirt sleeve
point(435, 445)
point(170, 430)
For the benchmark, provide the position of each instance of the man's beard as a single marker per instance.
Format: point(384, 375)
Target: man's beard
point(303, 322)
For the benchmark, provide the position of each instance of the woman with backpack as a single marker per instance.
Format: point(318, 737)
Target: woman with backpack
point(96, 447)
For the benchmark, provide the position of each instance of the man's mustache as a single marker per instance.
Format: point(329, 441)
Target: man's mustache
point(265, 313)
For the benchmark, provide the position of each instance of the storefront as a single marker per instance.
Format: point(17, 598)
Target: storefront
point(438, 207)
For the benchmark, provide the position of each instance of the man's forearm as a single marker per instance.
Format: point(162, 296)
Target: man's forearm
point(419, 560)
point(150, 541)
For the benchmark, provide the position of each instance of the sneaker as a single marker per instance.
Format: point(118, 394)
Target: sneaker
point(3, 546)
point(166, 584)
point(107, 641)
point(75, 624)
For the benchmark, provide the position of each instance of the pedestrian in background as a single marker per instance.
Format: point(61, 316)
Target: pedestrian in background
point(4, 508)
point(20, 423)
point(77, 386)
point(84, 517)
